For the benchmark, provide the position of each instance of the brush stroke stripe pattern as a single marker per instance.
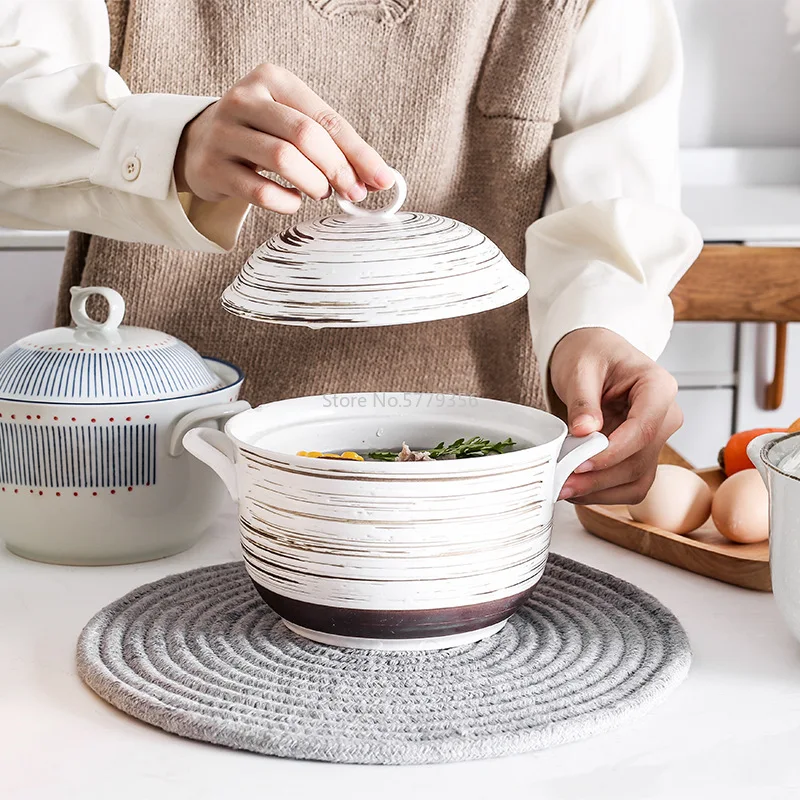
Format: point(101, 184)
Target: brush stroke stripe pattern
point(77, 456)
point(41, 373)
point(348, 271)
point(317, 536)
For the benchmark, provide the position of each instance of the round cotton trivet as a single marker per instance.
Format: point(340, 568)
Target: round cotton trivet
point(200, 655)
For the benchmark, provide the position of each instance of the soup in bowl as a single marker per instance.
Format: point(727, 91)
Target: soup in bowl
point(387, 554)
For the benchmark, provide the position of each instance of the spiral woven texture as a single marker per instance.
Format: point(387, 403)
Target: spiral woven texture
point(199, 654)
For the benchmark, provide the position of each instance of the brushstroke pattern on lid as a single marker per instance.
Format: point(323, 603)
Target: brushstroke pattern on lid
point(372, 268)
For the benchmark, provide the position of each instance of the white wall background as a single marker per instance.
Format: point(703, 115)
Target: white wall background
point(742, 86)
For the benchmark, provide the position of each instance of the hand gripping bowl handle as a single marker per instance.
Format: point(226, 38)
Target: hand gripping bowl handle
point(574, 451)
point(215, 449)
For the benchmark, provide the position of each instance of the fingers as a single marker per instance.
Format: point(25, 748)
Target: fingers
point(279, 156)
point(626, 494)
point(310, 139)
point(651, 399)
point(289, 90)
point(270, 120)
point(260, 191)
point(627, 481)
point(583, 398)
point(617, 481)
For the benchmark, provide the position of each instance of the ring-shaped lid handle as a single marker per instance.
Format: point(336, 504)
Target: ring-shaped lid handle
point(400, 189)
point(77, 308)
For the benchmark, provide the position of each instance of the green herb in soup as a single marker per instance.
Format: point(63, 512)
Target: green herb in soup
point(460, 448)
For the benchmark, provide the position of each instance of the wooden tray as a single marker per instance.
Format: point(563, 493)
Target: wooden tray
point(704, 551)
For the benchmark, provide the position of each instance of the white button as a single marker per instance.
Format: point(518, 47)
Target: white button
point(131, 168)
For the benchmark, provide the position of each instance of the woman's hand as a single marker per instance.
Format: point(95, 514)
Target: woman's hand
point(607, 385)
point(270, 120)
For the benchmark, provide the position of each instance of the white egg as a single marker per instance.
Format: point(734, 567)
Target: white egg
point(678, 501)
point(741, 508)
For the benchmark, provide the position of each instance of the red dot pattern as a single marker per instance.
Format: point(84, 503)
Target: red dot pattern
point(75, 419)
point(74, 494)
point(55, 418)
point(50, 348)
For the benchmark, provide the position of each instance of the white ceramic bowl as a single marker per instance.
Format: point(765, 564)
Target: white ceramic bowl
point(777, 458)
point(109, 483)
point(393, 555)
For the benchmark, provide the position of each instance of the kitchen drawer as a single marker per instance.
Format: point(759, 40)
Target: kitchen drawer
point(702, 354)
point(708, 423)
point(28, 291)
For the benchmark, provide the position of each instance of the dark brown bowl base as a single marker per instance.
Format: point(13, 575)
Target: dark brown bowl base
point(390, 629)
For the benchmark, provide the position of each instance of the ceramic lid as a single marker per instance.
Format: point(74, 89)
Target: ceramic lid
point(101, 362)
point(366, 268)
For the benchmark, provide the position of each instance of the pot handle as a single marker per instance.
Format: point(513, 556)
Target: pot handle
point(217, 412)
point(574, 451)
point(213, 448)
point(755, 447)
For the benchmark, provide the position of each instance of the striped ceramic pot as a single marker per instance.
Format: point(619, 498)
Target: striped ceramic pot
point(371, 554)
point(109, 483)
point(92, 470)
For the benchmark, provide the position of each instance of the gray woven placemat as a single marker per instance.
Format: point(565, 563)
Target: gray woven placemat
point(200, 655)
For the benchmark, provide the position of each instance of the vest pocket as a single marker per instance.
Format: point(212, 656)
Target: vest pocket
point(524, 66)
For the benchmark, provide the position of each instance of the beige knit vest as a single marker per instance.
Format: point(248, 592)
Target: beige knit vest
point(459, 95)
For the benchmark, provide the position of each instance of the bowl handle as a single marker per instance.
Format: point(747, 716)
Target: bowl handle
point(213, 449)
point(574, 451)
point(217, 412)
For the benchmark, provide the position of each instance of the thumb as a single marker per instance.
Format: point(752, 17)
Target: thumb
point(583, 395)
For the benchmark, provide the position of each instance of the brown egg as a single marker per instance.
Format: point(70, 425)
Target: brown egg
point(678, 501)
point(741, 508)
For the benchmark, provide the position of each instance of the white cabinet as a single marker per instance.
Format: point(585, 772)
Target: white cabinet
point(28, 290)
point(708, 423)
point(757, 352)
point(702, 354)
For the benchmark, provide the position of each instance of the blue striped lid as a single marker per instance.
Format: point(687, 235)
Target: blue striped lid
point(104, 362)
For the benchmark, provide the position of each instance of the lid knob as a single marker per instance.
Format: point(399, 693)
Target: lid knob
point(400, 189)
point(77, 308)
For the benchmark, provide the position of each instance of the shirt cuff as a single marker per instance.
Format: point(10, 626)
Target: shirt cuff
point(218, 222)
point(137, 153)
point(136, 159)
point(603, 298)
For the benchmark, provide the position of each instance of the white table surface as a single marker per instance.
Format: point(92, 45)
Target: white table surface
point(732, 730)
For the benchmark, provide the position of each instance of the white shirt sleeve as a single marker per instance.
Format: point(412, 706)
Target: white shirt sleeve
point(612, 242)
point(79, 151)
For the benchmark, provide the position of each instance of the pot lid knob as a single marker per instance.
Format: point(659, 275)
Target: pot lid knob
point(77, 309)
point(400, 191)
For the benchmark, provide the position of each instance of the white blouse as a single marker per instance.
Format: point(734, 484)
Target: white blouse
point(608, 251)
